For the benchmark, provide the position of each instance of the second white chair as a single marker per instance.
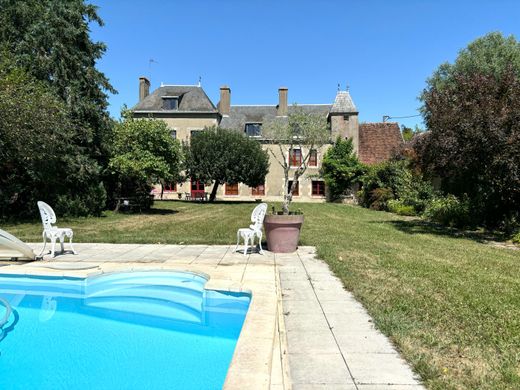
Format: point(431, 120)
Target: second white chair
point(52, 232)
point(254, 230)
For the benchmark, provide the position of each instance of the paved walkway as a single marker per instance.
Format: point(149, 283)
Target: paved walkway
point(332, 342)
point(326, 334)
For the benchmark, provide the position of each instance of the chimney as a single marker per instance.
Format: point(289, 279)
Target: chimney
point(282, 102)
point(144, 87)
point(225, 100)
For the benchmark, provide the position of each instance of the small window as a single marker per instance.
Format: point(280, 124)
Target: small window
point(295, 157)
point(258, 190)
point(194, 133)
point(313, 158)
point(318, 188)
point(253, 129)
point(170, 187)
point(346, 118)
point(173, 133)
point(231, 189)
point(296, 191)
point(170, 102)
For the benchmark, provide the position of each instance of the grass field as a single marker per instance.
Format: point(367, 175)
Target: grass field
point(450, 302)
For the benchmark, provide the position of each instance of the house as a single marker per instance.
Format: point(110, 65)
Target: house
point(187, 110)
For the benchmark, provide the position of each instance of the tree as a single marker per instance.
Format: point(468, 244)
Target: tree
point(341, 168)
point(301, 130)
point(408, 133)
point(50, 39)
point(472, 111)
point(144, 153)
point(38, 157)
point(225, 156)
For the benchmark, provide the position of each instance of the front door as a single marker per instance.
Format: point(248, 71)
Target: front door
point(197, 189)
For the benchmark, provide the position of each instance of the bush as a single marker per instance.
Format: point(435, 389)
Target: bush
point(449, 210)
point(516, 238)
point(400, 208)
point(395, 180)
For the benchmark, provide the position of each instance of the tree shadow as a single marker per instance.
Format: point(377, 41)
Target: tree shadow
point(153, 211)
point(417, 226)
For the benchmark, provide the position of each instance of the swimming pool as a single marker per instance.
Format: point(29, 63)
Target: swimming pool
point(132, 330)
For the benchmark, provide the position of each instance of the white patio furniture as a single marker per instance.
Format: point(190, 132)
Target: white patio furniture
point(14, 249)
point(52, 232)
point(254, 230)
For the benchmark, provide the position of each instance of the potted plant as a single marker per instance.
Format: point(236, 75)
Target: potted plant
point(291, 140)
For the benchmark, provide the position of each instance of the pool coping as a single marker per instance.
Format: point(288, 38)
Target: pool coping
point(253, 356)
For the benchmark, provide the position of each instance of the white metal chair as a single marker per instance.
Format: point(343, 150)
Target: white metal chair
point(254, 230)
point(52, 232)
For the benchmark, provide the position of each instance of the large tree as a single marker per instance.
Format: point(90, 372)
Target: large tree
point(472, 112)
point(38, 157)
point(143, 154)
point(50, 39)
point(225, 156)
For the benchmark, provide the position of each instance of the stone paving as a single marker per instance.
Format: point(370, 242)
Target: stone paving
point(318, 337)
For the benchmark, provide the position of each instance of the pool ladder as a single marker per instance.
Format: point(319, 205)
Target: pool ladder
point(8, 311)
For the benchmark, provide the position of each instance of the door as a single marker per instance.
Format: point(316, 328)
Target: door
point(197, 189)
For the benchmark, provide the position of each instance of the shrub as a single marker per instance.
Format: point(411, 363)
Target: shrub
point(516, 238)
point(400, 208)
point(449, 210)
point(394, 180)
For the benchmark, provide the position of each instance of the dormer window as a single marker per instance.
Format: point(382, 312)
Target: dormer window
point(253, 129)
point(170, 102)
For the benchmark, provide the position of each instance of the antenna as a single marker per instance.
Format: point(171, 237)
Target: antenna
point(150, 62)
point(339, 87)
point(200, 81)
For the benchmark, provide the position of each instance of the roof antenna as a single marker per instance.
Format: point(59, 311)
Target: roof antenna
point(339, 87)
point(150, 62)
point(200, 81)
point(347, 87)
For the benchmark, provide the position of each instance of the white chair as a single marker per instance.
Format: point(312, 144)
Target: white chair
point(254, 230)
point(53, 232)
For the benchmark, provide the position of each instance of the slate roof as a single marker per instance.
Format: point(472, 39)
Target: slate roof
point(192, 99)
point(240, 115)
point(343, 103)
point(378, 141)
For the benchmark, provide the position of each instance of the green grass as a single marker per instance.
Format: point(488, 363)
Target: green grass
point(451, 303)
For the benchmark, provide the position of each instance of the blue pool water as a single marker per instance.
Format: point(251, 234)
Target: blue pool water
point(136, 330)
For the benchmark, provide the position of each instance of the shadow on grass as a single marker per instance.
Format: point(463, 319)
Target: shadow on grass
point(153, 211)
point(417, 226)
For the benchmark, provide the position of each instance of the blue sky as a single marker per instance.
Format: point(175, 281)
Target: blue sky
point(384, 50)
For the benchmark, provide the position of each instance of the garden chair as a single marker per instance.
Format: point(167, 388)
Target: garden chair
point(53, 232)
point(254, 230)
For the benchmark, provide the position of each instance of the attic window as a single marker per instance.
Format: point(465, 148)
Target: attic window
point(170, 102)
point(253, 129)
point(346, 117)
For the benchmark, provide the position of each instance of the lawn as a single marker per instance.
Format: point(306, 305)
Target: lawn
point(450, 302)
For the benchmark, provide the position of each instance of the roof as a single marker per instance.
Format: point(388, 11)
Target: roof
point(192, 99)
point(378, 141)
point(343, 103)
point(240, 115)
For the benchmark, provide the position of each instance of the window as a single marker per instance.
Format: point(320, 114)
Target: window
point(173, 133)
point(295, 157)
point(231, 189)
point(253, 129)
point(258, 190)
point(296, 191)
point(313, 158)
point(194, 133)
point(170, 187)
point(318, 188)
point(346, 118)
point(170, 102)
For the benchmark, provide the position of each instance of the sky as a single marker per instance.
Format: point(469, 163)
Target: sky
point(383, 51)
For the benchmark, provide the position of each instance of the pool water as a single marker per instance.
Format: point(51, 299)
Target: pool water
point(136, 330)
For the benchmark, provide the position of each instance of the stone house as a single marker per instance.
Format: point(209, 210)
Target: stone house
point(187, 110)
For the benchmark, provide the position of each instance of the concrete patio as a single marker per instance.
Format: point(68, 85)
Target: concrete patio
point(302, 331)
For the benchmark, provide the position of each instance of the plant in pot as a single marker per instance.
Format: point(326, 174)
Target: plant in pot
point(291, 141)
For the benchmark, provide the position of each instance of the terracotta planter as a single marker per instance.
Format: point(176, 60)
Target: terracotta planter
point(282, 232)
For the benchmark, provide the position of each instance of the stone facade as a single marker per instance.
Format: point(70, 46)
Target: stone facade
point(187, 109)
